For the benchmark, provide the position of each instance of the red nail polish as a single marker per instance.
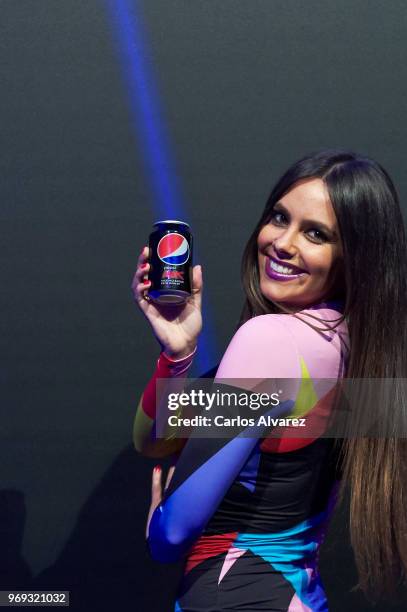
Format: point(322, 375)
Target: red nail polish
point(146, 282)
point(144, 266)
point(157, 468)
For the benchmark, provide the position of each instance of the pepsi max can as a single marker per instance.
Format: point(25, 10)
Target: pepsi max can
point(170, 246)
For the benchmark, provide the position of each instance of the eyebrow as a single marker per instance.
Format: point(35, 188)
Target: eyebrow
point(318, 224)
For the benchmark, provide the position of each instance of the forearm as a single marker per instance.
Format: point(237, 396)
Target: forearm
point(145, 440)
point(179, 520)
point(144, 428)
point(192, 498)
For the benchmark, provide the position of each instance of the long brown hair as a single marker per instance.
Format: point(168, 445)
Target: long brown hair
point(374, 244)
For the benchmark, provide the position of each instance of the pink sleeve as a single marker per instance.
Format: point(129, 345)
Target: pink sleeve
point(261, 348)
point(268, 347)
point(166, 367)
point(262, 352)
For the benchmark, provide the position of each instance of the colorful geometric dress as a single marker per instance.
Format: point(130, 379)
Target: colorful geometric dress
point(249, 515)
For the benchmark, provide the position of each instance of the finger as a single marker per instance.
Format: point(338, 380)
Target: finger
point(141, 272)
point(197, 286)
point(143, 257)
point(156, 495)
point(156, 486)
point(140, 292)
point(169, 477)
point(143, 265)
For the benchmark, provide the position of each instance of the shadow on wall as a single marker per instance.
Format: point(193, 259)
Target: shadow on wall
point(105, 563)
point(14, 571)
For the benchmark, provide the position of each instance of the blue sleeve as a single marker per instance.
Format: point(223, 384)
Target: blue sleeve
point(205, 471)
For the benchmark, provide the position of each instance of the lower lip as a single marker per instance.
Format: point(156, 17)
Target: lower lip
point(281, 277)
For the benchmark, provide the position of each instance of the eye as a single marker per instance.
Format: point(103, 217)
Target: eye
point(320, 237)
point(275, 217)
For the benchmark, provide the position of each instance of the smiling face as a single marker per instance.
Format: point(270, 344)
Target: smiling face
point(299, 249)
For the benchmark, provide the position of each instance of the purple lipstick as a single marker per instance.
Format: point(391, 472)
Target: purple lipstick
point(282, 271)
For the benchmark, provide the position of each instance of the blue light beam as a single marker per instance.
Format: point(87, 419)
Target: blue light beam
point(147, 123)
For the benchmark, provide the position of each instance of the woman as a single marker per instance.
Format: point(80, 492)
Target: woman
point(324, 274)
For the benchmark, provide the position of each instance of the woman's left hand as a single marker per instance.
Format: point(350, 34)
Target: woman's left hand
point(156, 490)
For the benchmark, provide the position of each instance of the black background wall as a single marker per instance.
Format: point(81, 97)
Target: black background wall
point(245, 89)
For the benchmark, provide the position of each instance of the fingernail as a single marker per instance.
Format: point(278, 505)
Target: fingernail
point(144, 266)
point(146, 282)
point(157, 468)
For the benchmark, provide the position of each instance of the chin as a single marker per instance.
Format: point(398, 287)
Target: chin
point(277, 296)
point(273, 290)
point(286, 297)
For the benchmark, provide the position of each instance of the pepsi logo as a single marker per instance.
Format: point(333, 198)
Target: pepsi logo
point(173, 249)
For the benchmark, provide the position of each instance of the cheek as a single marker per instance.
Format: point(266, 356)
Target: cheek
point(323, 264)
point(260, 240)
point(264, 237)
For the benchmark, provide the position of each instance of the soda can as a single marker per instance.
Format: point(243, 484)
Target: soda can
point(170, 255)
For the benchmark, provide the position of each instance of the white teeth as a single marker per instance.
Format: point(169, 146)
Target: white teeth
point(281, 269)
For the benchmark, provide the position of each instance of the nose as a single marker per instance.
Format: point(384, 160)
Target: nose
point(284, 245)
